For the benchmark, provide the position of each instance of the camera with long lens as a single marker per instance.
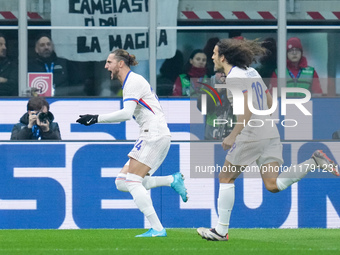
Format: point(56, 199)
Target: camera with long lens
point(45, 116)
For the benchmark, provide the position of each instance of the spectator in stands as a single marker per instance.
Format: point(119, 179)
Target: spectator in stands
point(37, 123)
point(8, 71)
point(46, 60)
point(169, 71)
point(195, 71)
point(298, 73)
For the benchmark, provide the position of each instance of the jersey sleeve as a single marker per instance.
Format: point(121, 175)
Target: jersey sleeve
point(133, 91)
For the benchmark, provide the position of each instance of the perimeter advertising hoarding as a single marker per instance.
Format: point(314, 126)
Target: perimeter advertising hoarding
point(70, 185)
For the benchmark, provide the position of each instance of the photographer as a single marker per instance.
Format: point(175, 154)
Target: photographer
point(37, 123)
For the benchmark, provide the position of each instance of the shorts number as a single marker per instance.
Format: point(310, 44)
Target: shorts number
point(138, 144)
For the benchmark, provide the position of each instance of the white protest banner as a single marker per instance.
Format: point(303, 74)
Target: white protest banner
point(108, 16)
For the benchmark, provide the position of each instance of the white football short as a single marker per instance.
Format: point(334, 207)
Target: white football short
point(243, 153)
point(151, 151)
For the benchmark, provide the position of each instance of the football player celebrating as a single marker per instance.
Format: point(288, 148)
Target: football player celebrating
point(152, 145)
point(248, 144)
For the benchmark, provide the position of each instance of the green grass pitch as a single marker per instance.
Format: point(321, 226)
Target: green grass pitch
point(179, 241)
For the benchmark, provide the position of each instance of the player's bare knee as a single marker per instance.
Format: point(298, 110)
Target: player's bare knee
point(226, 179)
point(273, 189)
point(271, 186)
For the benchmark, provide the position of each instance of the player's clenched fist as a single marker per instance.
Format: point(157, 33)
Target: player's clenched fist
point(87, 119)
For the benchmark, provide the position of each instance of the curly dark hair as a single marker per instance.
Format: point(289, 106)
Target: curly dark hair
point(240, 53)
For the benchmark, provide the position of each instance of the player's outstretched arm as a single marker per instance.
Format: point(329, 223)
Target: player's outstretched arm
point(117, 116)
